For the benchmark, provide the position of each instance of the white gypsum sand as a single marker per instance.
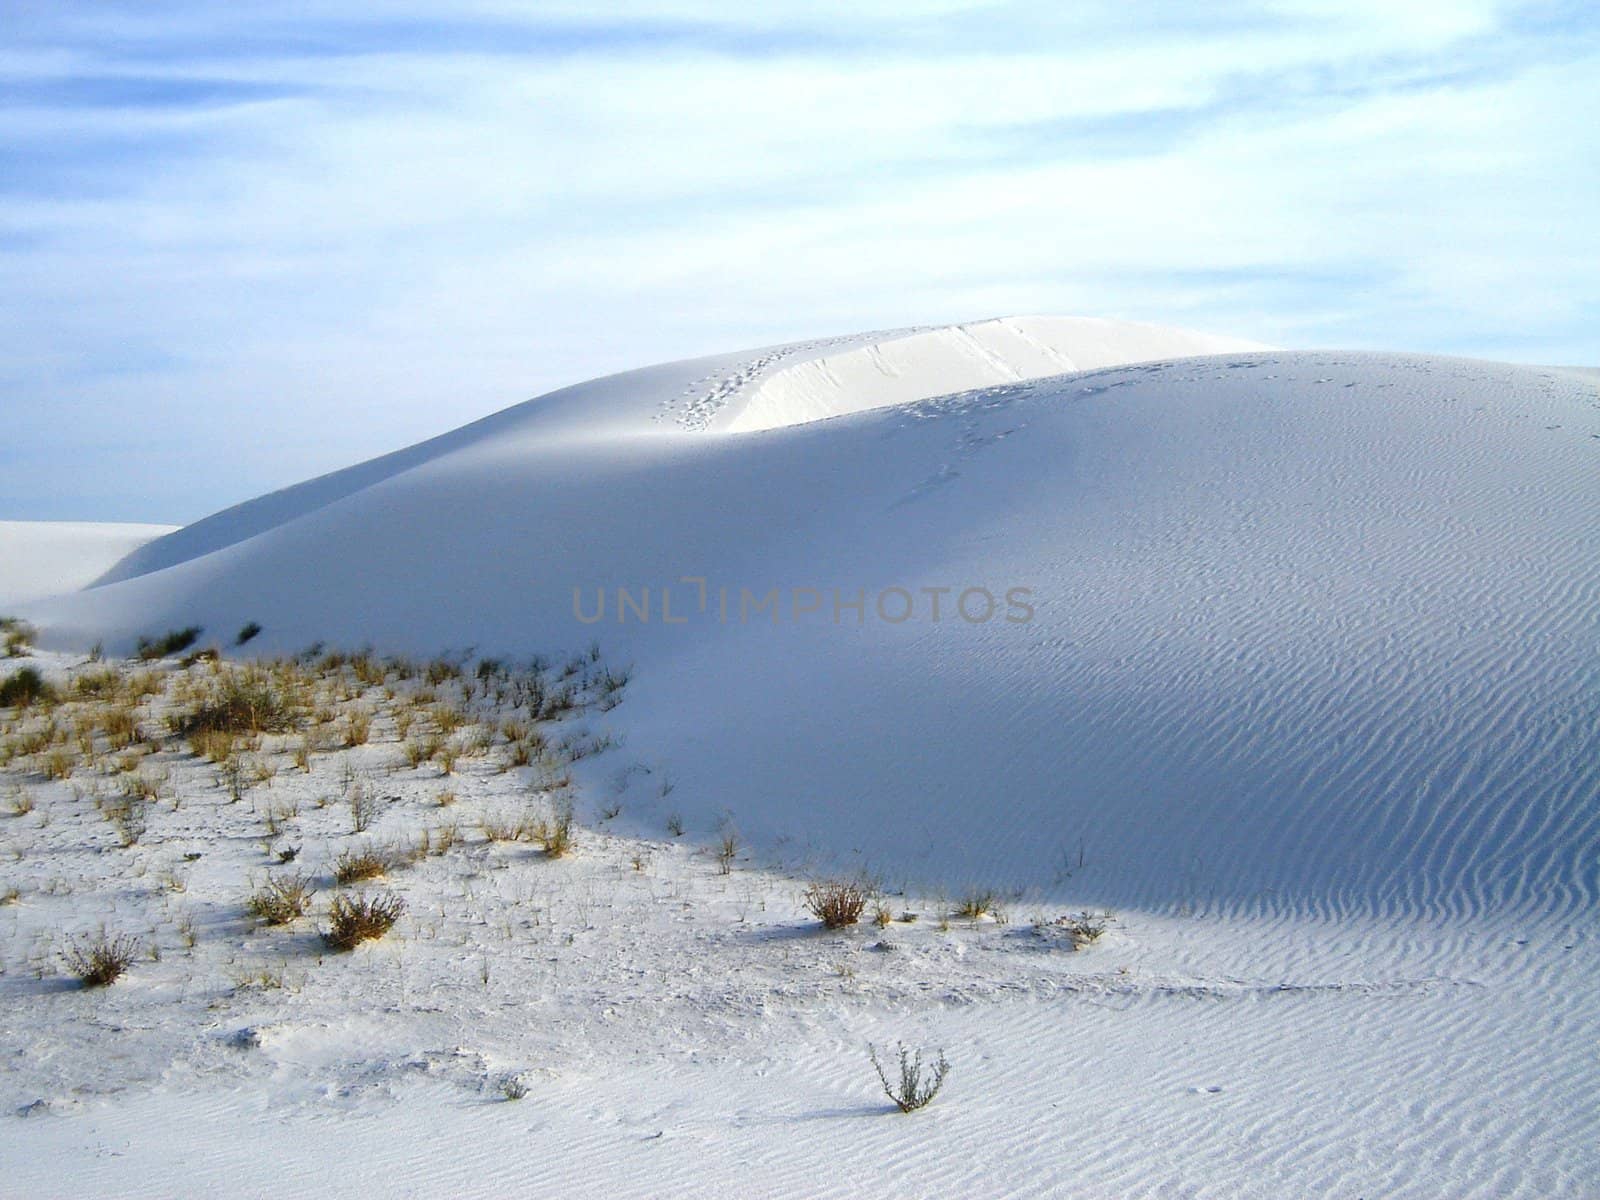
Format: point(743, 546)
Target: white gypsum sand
point(1308, 697)
point(42, 558)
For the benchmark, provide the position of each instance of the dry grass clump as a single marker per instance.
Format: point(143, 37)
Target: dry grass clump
point(357, 727)
point(247, 700)
point(174, 641)
point(128, 815)
point(16, 635)
point(977, 903)
point(556, 833)
point(501, 827)
point(356, 919)
point(25, 688)
point(1085, 928)
point(58, 764)
point(836, 902)
point(213, 745)
point(96, 685)
point(281, 900)
point(371, 862)
point(363, 807)
point(101, 960)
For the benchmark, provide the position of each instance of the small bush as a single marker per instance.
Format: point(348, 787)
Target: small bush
point(101, 960)
point(499, 827)
point(356, 919)
point(917, 1085)
point(128, 816)
point(557, 832)
point(1085, 928)
point(282, 899)
point(245, 634)
point(248, 701)
point(174, 641)
point(976, 904)
point(357, 727)
point(352, 866)
point(513, 1088)
point(836, 903)
point(363, 808)
point(17, 635)
point(25, 688)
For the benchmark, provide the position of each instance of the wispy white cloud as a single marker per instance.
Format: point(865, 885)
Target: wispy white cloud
point(240, 248)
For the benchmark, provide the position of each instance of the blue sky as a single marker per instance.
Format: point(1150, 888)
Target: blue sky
point(241, 245)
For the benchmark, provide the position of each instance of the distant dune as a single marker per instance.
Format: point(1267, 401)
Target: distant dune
point(1308, 632)
point(41, 558)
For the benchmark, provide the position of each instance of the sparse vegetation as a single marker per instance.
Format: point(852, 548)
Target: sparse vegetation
point(557, 832)
point(363, 808)
point(917, 1084)
point(836, 903)
point(128, 816)
point(512, 1088)
point(247, 633)
point(247, 700)
point(281, 899)
point(1085, 928)
point(352, 866)
point(16, 635)
point(25, 688)
point(356, 919)
point(102, 959)
point(174, 641)
point(977, 904)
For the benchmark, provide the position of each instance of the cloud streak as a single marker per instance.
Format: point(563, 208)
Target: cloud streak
point(241, 249)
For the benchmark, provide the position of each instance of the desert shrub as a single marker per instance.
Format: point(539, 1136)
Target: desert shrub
point(128, 816)
point(174, 641)
point(248, 632)
point(93, 685)
point(24, 688)
point(421, 750)
point(977, 903)
point(363, 808)
point(727, 851)
point(121, 726)
point(213, 745)
point(102, 959)
point(557, 832)
point(513, 1088)
point(356, 919)
point(281, 900)
point(500, 827)
point(58, 764)
point(352, 866)
point(16, 635)
point(446, 756)
point(917, 1084)
point(836, 903)
point(357, 727)
point(247, 701)
point(1085, 928)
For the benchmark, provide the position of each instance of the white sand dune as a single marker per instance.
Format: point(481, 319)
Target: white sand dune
point(41, 558)
point(1309, 692)
point(1311, 632)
